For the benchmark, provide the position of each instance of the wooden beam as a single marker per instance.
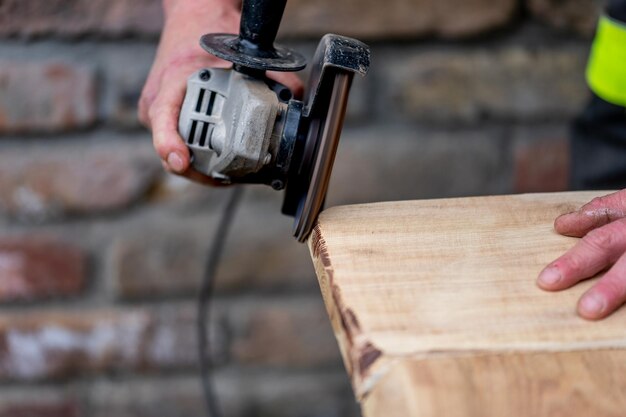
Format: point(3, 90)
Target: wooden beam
point(437, 314)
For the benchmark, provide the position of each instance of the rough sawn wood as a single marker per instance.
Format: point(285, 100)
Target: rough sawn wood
point(437, 314)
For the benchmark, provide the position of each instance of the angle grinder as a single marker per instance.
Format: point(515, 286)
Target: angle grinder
point(242, 127)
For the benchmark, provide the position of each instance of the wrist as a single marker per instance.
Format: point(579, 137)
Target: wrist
point(198, 17)
point(194, 7)
point(186, 21)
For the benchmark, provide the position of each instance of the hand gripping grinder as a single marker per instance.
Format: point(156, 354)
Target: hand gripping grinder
point(242, 127)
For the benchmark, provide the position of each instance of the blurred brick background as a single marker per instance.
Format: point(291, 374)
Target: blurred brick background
point(101, 253)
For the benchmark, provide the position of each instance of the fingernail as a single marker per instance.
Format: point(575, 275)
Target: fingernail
point(175, 162)
point(569, 213)
point(550, 276)
point(593, 304)
point(566, 216)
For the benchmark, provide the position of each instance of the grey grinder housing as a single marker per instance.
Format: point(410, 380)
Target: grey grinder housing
point(231, 122)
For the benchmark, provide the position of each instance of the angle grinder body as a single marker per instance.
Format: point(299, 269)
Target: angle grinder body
point(243, 128)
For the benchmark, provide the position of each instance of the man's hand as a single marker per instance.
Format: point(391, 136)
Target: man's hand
point(178, 56)
point(602, 225)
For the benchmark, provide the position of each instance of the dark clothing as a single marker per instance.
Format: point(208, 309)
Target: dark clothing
point(598, 147)
point(598, 139)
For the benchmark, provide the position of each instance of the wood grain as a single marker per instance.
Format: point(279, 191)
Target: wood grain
point(436, 311)
point(551, 384)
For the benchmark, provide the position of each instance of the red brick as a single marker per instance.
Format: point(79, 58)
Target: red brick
point(78, 17)
point(46, 96)
point(240, 394)
point(41, 183)
point(169, 258)
point(368, 19)
point(32, 268)
point(62, 343)
point(173, 341)
point(542, 165)
point(470, 85)
point(292, 332)
point(372, 19)
point(39, 401)
point(56, 344)
point(418, 163)
point(572, 15)
point(126, 70)
point(157, 264)
point(40, 410)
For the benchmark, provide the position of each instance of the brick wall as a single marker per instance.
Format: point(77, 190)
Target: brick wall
point(101, 253)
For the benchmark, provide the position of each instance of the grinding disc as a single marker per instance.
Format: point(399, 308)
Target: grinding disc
point(319, 156)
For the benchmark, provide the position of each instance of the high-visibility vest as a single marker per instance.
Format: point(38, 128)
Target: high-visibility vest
point(606, 69)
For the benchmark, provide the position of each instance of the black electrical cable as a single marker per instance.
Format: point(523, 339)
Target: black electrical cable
point(204, 299)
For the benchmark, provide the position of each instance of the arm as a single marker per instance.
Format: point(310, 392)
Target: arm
point(179, 55)
point(602, 225)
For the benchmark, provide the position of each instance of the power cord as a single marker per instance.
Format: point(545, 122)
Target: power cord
point(204, 299)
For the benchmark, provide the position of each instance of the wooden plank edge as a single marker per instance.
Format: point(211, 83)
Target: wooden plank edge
point(364, 362)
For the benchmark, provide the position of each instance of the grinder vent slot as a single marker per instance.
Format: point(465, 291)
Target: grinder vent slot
point(200, 134)
point(209, 102)
point(203, 134)
point(200, 98)
point(209, 109)
point(192, 132)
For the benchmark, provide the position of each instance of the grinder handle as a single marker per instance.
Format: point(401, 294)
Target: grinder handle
point(260, 20)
